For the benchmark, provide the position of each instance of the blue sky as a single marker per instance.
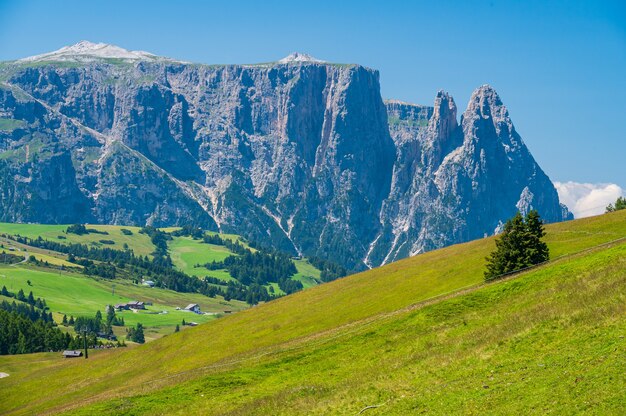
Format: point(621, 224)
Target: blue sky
point(559, 66)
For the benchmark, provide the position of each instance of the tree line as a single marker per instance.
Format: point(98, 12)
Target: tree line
point(257, 267)
point(251, 270)
point(26, 326)
point(329, 271)
point(30, 299)
point(81, 229)
point(124, 264)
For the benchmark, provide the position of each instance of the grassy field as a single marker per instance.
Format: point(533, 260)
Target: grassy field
point(78, 295)
point(184, 251)
point(307, 274)
point(139, 243)
point(547, 341)
point(187, 252)
point(529, 346)
point(53, 258)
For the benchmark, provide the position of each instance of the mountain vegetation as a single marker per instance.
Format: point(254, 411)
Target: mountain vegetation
point(620, 203)
point(56, 255)
point(252, 270)
point(27, 327)
point(519, 246)
point(424, 334)
point(136, 334)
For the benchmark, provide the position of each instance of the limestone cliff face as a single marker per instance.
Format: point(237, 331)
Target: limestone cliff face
point(457, 182)
point(304, 156)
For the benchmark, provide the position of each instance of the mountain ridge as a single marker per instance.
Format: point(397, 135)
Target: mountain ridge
point(306, 157)
point(86, 51)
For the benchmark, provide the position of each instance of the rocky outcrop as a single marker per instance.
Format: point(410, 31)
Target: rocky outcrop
point(301, 155)
point(457, 182)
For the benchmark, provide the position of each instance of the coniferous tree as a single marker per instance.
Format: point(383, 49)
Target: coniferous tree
point(536, 249)
point(519, 246)
point(136, 335)
point(619, 205)
point(110, 314)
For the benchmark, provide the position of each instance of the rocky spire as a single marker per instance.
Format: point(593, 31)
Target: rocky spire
point(443, 122)
point(442, 134)
point(488, 127)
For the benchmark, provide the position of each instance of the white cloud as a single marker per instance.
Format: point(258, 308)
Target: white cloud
point(587, 199)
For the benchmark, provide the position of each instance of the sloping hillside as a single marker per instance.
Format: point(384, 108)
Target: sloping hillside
point(398, 336)
point(188, 254)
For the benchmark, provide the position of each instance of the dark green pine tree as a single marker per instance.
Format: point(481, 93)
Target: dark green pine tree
point(110, 315)
point(31, 298)
point(519, 246)
point(508, 254)
point(536, 249)
point(137, 335)
point(98, 321)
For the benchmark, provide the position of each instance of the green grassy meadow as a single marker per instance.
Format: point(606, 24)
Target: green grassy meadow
point(422, 335)
point(184, 251)
point(139, 243)
point(307, 274)
point(75, 294)
point(187, 252)
point(68, 293)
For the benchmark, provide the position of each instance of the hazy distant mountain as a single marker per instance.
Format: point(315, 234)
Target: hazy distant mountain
point(299, 154)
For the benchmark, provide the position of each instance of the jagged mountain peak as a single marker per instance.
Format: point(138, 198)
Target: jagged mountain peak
point(484, 95)
point(444, 106)
point(86, 51)
point(442, 94)
point(485, 104)
point(443, 122)
point(485, 89)
point(298, 57)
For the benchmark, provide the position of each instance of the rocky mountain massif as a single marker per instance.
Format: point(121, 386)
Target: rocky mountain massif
point(299, 154)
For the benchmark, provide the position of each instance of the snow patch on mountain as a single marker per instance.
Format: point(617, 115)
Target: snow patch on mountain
point(298, 57)
point(85, 51)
